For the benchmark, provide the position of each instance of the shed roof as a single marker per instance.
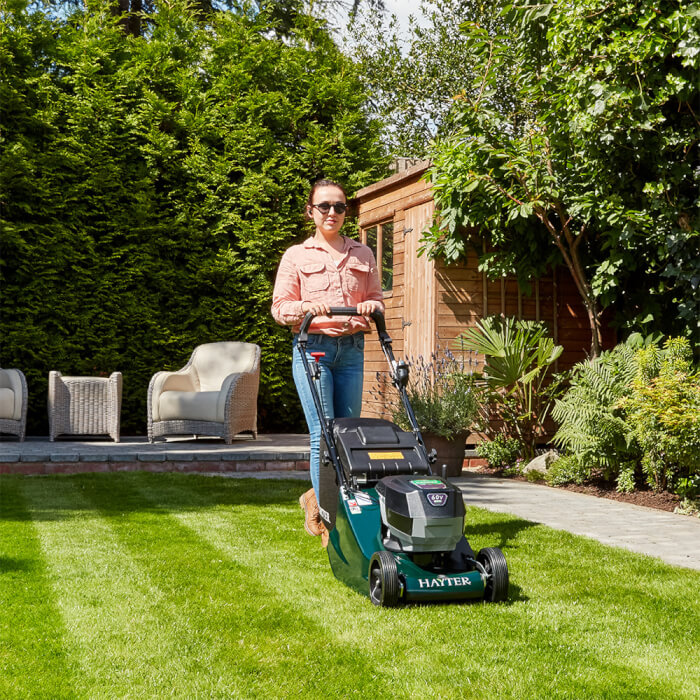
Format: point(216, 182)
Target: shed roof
point(393, 180)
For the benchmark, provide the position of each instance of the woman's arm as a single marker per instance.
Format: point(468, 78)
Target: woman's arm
point(286, 297)
point(374, 298)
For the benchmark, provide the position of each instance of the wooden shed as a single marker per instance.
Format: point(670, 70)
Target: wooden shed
point(429, 303)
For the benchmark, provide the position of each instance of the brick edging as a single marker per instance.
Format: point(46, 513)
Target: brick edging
point(47, 468)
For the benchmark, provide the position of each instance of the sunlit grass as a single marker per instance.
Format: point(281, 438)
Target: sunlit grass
point(161, 585)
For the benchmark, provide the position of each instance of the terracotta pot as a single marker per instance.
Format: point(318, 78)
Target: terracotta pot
point(449, 452)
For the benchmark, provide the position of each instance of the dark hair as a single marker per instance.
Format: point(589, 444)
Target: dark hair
point(324, 183)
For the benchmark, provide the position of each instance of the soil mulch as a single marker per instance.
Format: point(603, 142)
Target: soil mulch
point(662, 500)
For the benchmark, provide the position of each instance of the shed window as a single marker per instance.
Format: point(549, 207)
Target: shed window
point(380, 239)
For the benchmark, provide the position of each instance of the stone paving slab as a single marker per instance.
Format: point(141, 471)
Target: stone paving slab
point(289, 447)
point(671, 537)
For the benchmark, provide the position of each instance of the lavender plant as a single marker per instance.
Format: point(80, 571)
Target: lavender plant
point(441, 392)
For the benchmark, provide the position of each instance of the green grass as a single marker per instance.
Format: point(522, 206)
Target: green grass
point(163, 585)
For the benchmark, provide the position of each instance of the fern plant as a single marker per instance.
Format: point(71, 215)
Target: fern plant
point(592, 426)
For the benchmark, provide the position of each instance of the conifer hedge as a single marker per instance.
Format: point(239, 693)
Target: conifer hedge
point(149, 186)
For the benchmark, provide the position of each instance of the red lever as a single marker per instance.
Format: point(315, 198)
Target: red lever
point(317, 355)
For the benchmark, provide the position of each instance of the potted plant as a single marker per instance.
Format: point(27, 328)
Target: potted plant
point(440, 391)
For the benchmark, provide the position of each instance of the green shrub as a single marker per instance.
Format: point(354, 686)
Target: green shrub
point(501, 452)
point(625, 478)
point(663, 412)
point(150, 185)
point(689, 487)
point(567, 470)
point(441, 393)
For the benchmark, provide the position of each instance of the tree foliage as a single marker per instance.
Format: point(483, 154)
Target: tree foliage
point(414, 75)
point(150, 185)
point(593, 163)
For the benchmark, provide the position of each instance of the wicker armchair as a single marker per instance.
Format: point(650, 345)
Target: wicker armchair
point(84, 405)
point(215, 393)
point(13, 402)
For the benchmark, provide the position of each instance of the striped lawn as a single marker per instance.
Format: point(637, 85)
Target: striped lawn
point(164, 585)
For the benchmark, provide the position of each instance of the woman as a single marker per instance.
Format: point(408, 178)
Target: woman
point(327, 270)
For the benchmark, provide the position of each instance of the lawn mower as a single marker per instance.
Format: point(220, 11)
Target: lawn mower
point(396, 528)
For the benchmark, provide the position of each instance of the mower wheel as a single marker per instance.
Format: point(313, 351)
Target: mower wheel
point(383, 580)
point(493, 561)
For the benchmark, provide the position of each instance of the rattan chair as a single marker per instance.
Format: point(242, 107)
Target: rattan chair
point(84, 405)
point(13, 402)
point(214, 394)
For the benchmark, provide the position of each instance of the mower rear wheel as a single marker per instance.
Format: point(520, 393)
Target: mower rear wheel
point(384, 588)
point(494, 563)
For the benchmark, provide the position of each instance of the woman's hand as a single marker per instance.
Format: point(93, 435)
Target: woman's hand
point(367, 308)
point(317, 308)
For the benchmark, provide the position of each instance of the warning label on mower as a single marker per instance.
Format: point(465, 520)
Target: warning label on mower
point(385, 455)
point(353, 506)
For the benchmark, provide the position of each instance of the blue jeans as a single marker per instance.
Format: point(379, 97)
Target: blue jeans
point(341, 384)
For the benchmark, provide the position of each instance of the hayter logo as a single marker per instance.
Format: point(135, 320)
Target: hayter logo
point(444, 582)
point(437, 499)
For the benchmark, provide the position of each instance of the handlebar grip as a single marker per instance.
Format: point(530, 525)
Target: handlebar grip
point(377, 317)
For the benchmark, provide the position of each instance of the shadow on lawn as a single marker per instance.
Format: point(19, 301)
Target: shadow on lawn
point(181, 492)
point(10, 564)
point(502, 533)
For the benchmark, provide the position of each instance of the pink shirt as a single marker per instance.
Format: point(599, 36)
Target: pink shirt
point(307, 272)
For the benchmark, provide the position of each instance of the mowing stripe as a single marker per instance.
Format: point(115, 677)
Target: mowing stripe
point(185, 586)
point(252, 641)
point(111, 609)
point(33, 661)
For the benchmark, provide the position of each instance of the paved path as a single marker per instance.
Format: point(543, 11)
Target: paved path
point(671, 537)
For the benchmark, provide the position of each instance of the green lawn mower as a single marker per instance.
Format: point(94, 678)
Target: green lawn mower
point(396, 528)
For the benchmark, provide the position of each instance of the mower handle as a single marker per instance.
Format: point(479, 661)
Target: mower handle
point(377, 317)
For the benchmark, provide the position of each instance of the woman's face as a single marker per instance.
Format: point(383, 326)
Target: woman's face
point(328, 223)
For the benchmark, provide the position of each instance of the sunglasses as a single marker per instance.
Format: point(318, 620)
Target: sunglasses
point(325, 207)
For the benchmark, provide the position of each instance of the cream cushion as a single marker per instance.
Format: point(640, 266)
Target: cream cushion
point(7, 404)
point(214, 362)
point(10, 381)
point(190, 405)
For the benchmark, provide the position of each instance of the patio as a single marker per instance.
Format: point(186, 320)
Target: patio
point(37, 455)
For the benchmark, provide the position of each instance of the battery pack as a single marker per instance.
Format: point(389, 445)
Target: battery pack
point(368, 450)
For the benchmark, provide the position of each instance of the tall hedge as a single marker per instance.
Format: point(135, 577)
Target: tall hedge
point(149, 186)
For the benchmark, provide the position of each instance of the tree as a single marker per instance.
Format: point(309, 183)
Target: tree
point(284, 15)
point(150, 185)
point(595, 161)
point(414, 75)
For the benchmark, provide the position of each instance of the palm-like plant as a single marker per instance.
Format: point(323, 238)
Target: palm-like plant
point(517, 358)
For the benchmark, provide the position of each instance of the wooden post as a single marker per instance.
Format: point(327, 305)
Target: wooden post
point(520, 304)
point(484, 282)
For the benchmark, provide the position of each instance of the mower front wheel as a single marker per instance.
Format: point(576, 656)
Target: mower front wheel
point(384, 585)
point(494, 563)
